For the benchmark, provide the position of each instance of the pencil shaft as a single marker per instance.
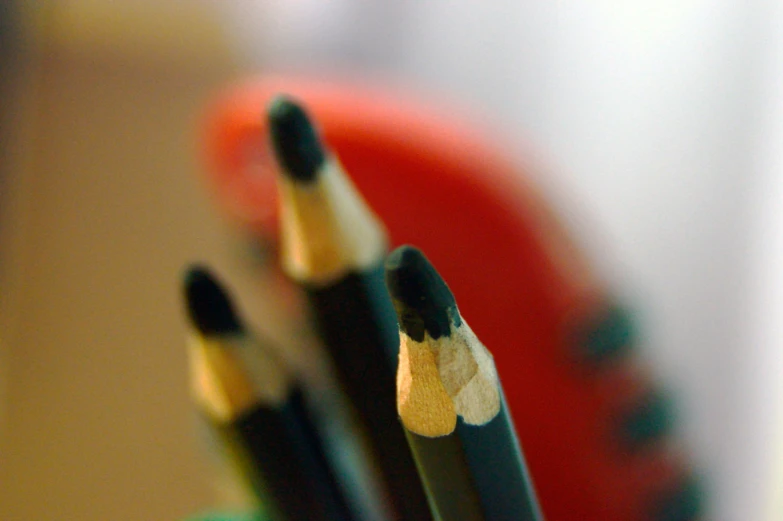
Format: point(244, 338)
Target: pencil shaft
point(287, 454)
point(495, 460)
point(356, 319)
point(451, 489)
point(476, 473)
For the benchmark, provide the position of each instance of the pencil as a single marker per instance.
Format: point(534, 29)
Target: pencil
point(333, 246)
point(259, 408)
point(451, 403)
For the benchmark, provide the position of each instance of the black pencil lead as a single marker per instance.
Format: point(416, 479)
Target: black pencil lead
point(294, 139)
point(423, 301)
point(209, 308)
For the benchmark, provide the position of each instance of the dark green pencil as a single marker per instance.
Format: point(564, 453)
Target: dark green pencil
point(259, 410)
point(451, 403)
point(333, 246)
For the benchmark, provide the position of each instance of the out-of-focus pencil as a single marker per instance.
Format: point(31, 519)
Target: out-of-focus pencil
point(451, 403)
point(256, 404)
point(334, 247)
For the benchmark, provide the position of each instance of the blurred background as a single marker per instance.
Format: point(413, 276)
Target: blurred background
point(660, 121)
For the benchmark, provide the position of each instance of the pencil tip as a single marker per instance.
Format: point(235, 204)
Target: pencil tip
point(295, 142)
point(209, 308)
point(423, 301)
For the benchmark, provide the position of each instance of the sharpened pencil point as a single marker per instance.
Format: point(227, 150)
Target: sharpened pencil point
point(423, 301)
point(209, 308)
point(296, 143)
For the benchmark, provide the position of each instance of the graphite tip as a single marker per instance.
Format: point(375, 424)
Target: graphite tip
point(209, 308)
point(296, 144)
point(423, 301)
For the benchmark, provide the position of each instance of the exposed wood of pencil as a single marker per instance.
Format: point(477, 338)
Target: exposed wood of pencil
point(334, 246)
point(451, 403)
point(259, 409)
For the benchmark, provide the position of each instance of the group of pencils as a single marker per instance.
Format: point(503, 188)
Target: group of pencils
point(437, 441)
